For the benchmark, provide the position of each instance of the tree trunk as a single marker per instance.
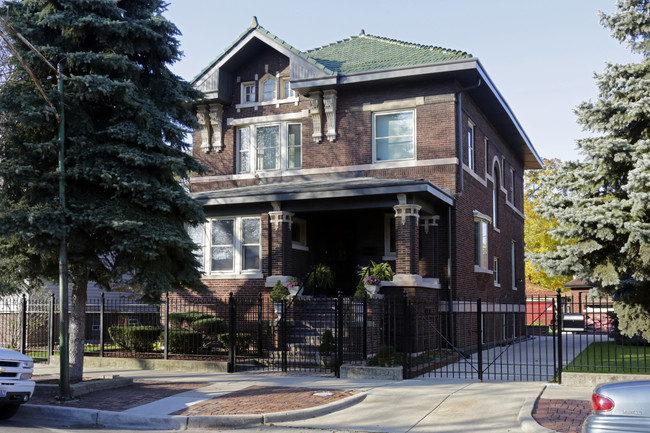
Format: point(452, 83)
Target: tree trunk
point(77, 330)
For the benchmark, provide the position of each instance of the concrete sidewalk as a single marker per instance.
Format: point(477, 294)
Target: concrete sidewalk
point(427, 405)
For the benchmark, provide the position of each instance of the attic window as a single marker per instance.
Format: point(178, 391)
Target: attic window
point(248, 92)
point(269, 89)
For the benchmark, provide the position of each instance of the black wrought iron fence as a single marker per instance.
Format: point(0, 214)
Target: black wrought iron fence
point(433, 337)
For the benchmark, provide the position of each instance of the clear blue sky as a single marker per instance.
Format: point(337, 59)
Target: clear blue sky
point(541, 55)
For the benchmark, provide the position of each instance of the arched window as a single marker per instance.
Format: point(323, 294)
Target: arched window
point(496, 184)
point(269, 88)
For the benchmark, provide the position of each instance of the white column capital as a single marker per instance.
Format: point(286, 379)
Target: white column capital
point(280, 216)
point(406, 210)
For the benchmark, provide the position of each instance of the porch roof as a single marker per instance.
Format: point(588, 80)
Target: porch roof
point(324, 189)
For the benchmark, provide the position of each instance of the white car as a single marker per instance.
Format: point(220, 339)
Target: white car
point(16, 384)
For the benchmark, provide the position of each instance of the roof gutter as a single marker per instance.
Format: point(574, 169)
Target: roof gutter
point(459, 135)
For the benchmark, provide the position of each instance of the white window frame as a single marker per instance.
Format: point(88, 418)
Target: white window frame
point(283, 154)
point(496, 189)
point(262, 91)
point(486, 144)
point(299, 226)
point(481, 243)
point(286, 95)
point(244, 93)
point(511, 192)
point(513, 261)
point(471, 145)
point(238, 248)
point(389, 253)
point(374, 135)
point(497, 283)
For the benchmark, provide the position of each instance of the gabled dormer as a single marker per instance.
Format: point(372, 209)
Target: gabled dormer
point(215, 81)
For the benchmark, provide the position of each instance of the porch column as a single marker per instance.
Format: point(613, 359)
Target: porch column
point(407, 238)
point(428, 244)
point(280, 244)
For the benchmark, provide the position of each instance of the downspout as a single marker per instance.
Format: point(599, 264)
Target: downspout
point(459, 191)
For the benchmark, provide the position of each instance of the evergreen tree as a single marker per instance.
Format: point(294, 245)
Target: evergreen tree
point(126, 118)
point(601, 202)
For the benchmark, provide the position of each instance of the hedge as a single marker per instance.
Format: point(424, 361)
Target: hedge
point(135, 338)
point(184, 342)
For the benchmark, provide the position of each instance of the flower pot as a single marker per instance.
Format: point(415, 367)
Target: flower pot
point(372, 289)
point(279, 308)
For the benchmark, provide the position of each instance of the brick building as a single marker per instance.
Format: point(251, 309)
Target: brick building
point(365, 149)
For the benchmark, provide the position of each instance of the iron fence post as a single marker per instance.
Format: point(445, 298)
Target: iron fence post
point(339, 334)
point(166, 328)
point(559, 336)
point(408, 334)
point(23, 324)
point(365, 328)
point(479, 337)
point(553, 331)
point(101, 325)
point(50, 330)
point(260, 327)
point(232, 355)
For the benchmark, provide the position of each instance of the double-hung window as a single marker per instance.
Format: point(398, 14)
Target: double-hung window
point(248, 91)
point(481, 222)
point(230, 245)
point(471, 148)
point(394, 135)
point(268, 147)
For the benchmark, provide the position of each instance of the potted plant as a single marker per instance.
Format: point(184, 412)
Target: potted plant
point(321, 277)
point(327, 350)
point(374, 274)
point(279, 294)
point(293, 285)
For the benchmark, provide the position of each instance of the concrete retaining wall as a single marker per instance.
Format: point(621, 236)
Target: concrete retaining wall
point(593, 379)
point(151, 364)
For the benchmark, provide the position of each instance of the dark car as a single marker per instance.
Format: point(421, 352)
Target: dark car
point(619, 407)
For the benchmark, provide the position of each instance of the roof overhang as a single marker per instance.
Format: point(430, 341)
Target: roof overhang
point(467, 73)
point(325, 191)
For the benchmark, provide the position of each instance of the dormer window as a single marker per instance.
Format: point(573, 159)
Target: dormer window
point(248, 92)
point(268, 85)
point(285, 88)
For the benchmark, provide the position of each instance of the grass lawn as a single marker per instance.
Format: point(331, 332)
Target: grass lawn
point(608, 357)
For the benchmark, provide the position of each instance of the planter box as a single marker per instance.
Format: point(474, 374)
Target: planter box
point(366, 372)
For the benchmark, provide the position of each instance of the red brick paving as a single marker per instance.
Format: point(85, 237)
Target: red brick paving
point(119, 399)
point(564, 416)
point(264, 399)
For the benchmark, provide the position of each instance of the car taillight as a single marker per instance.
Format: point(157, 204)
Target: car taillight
point(600, 402)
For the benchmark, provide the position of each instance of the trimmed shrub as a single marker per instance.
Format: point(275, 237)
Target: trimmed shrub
point(209, 326)
point(387, 357)
point(178, 319)
point(135, 338)
point(184, 342)
point(242, 340)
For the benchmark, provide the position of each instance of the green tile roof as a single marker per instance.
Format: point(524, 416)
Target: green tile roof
point(368, 53)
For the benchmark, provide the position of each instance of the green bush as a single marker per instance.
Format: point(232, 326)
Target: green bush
point(177, 320)
point(327, 343)
point(135, 338)
point(184, 342)
point(386, 357)
point(242, 341)
point(209, 326)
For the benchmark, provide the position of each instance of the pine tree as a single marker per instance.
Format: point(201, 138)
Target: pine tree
point(126, 118)
point(601, 203)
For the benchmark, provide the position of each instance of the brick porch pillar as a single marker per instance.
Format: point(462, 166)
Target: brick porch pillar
point(280, 242)
point(428, 244)
point(407, 238)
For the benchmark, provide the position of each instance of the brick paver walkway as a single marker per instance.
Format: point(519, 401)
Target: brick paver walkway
point(564, 416)
point(264, 399)
point(119, 399)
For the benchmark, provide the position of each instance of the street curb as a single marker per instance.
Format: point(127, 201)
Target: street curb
point(178, 422)
point(527, 421)
point(295, 415)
